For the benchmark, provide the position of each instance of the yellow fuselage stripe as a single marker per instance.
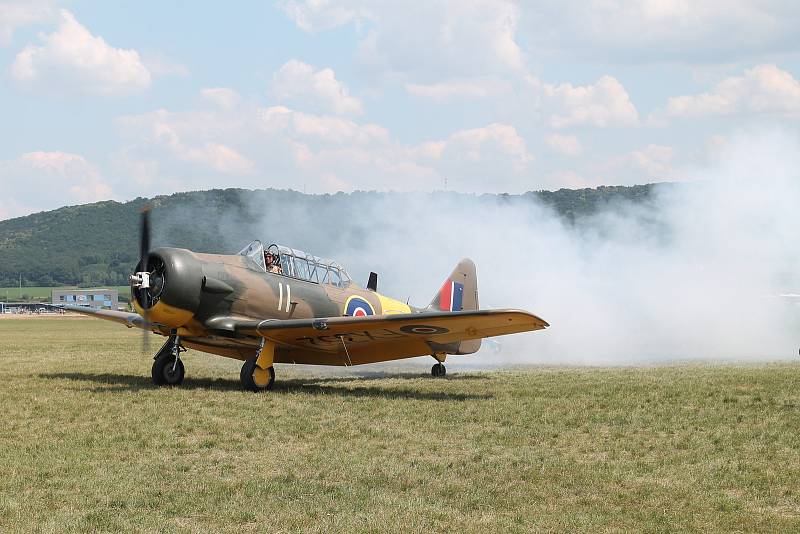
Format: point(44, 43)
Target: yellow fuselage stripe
point(390, 306)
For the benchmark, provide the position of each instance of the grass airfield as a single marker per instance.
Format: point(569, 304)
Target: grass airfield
point(88, 444)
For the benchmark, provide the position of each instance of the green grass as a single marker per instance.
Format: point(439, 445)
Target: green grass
point(15, 294)
point(88, 444)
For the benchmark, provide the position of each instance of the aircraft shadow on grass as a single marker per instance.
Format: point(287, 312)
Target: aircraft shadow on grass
point(113, 383)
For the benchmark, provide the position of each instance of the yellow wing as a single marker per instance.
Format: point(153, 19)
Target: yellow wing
point(355, 340)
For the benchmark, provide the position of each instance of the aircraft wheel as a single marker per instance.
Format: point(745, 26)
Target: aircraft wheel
point(256, 379)
point(163, 373)
point(438, 370)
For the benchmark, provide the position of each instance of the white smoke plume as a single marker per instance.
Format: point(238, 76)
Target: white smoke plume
point(694, 273)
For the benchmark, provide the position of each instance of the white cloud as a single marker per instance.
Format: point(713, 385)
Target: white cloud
point(45, 180)
point(315, 15)
point(491, 158)
point(567, 145)
point(324, 129)
point(276, 146)
point(301, 83)
point(651, 163)
point(448, 90)
point(407, 37)
point(429, 38)
point(332, 153)
point(160, 65)
point(219, 157)
point(655, 161)
point(17, 14)
point(141, 174)
point(697, 31)
point(193, 137)
point(605, 103)
point(72, 57)
point(281, 147)
point(221, 97)
point(473, 144)
point(764, 89)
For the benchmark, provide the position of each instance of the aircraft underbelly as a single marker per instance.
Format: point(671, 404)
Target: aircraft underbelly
point(245, 349)
point(229, 348)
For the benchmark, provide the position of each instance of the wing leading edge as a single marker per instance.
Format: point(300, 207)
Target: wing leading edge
point(130, 320)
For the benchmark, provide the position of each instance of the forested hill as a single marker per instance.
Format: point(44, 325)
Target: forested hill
point(97, 244)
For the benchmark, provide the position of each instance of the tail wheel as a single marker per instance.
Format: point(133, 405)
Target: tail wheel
point(438, 370)
point(167, 371)
point(255, 378)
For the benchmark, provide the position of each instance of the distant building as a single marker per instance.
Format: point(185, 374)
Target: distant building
point(91, 298)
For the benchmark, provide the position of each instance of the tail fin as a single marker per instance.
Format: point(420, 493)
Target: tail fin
point(459, 293)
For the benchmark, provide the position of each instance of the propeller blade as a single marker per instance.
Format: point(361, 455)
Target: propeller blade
point(144, 255)
point(144, 238)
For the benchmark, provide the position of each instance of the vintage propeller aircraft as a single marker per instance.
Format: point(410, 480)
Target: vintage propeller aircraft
point(280, 305)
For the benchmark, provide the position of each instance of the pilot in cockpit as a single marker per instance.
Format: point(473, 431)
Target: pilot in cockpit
point(273, 263)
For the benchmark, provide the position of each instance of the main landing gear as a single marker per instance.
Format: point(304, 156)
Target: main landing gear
point(438, 370)
point(168, 368)
point(257, 373)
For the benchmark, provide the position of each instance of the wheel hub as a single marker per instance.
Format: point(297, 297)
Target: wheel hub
point(261, 377)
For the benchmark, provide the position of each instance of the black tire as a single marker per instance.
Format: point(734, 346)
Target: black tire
point(163, 375)
point(252, 379)
point(438, 370)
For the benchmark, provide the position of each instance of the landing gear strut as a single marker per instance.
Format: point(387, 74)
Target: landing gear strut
point(257, 373)
point(168, 368)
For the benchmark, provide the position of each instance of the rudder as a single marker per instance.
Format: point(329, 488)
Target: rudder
point(459, 293)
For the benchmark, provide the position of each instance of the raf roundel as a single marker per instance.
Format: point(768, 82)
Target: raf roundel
point(423, 329)
point(358, 307)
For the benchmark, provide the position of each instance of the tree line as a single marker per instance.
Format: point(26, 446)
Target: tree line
point(97, 244)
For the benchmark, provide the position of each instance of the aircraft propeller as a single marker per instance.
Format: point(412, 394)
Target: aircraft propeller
point(141, 280)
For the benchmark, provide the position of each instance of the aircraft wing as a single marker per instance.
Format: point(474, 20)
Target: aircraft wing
point(127, 318)
point(388, 336)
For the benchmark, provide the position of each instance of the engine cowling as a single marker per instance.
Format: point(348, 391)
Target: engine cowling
point(169, 292)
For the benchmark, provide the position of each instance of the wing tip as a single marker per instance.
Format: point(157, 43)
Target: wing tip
point(540, 323)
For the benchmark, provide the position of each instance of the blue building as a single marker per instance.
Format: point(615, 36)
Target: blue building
point(91, 298)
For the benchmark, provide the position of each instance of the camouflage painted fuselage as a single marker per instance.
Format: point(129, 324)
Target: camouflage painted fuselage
point(204, 294)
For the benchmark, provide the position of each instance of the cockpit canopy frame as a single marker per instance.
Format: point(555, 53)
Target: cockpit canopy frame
point(300, 265)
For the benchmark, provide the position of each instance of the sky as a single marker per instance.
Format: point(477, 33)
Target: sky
point(116, 100)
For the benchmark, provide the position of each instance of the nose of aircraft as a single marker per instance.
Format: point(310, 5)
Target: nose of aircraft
point(167, 286)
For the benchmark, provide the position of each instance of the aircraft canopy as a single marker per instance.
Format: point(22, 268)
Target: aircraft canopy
point(298, 264)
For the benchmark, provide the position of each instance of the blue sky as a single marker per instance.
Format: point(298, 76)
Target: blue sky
point(116, 100)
